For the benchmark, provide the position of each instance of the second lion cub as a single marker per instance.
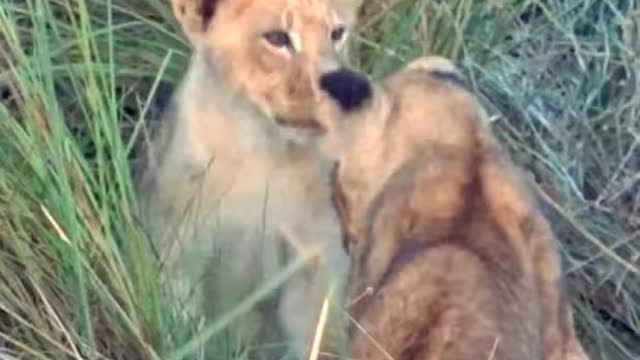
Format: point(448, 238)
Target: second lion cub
point(451, 259)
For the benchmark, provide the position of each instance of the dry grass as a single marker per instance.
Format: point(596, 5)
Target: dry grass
point(77, 279)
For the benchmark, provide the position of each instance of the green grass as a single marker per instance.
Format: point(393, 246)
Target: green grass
point(78, 278)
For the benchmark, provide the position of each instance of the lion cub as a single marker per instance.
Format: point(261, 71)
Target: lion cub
point(235, 162)
point(451, 259)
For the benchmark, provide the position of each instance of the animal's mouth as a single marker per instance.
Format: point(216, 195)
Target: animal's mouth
point(308, 124)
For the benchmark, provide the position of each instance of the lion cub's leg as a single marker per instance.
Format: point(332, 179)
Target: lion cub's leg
point(299, 312)
point(303, 296)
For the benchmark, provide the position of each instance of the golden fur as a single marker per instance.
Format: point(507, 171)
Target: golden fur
point(232, 162)
point(450, 258)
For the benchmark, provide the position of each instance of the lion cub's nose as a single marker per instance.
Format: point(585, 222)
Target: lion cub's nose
point(347, 87)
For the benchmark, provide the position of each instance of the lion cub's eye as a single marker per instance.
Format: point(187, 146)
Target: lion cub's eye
point(338, 33)
point(277, 38)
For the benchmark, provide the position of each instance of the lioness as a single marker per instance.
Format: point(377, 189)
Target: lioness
point(234, 160)
point(451, 259)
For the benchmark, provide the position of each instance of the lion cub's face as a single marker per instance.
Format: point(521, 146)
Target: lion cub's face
point(283, 54)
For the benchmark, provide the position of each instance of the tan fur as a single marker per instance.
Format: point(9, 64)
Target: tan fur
point(460, 263)
point(232, 162)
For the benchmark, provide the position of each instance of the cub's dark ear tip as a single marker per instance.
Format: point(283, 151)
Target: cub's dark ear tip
point(348, 88)
point(195, 15)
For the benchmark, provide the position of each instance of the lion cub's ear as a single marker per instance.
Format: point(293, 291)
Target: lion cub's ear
point(350, 8)
point(194, 15)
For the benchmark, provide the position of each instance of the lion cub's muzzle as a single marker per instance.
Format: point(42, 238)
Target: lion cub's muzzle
point(347, 87)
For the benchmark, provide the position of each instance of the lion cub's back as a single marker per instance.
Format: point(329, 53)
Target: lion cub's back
point(446, 301)
point(460, 287)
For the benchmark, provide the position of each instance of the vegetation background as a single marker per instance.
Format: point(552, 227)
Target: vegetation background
point(80, 78)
